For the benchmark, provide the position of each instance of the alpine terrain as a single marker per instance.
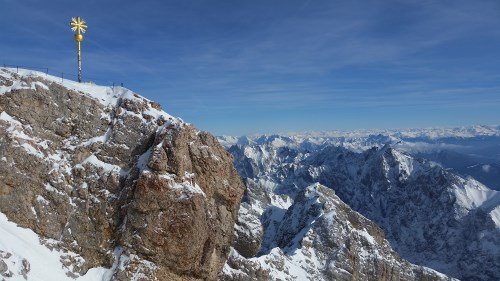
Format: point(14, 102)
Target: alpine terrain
point(293, 220)
point(99, 183)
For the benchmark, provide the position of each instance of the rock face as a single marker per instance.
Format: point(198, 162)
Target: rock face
point(430, 216)
point(187, 225)
point(107, 176)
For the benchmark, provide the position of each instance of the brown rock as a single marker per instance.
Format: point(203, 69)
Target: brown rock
point(193, 229)
point(96, 178)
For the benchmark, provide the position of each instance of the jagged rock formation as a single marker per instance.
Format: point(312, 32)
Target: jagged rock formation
point(430, 216)
point(320, 238)
point(110, 180)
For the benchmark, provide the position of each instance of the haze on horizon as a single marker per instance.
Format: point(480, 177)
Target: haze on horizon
point(243, 67)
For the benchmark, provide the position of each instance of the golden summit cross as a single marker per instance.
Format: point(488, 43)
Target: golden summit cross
point(79, 26)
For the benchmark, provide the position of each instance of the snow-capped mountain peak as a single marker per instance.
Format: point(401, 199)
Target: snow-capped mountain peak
point(430, 215)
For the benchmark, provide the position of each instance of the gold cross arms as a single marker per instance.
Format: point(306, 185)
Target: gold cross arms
point(78, 25)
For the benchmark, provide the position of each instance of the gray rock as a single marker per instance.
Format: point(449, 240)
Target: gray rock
point(3, 267)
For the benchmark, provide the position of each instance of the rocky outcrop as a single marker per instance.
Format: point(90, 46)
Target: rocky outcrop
point(320, 238)
point(185, 225)
point(108, 176)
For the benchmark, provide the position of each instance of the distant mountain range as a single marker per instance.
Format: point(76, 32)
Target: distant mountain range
point(419, 187)
point(469, 151)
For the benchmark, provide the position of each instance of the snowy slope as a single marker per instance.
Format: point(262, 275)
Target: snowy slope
point(26, 257)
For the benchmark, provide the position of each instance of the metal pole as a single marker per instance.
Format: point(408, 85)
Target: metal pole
point(78, 26)
point(79, 53)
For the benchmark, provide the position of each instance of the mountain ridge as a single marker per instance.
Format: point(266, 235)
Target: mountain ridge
point(427, 212)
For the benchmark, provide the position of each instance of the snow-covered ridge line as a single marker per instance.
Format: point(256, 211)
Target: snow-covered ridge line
point(106, 95)
point(409, 133)
point(432, 132)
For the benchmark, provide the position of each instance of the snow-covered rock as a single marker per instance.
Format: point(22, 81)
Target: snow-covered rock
point(468, 151)
point(320, 238)
point(431, 216)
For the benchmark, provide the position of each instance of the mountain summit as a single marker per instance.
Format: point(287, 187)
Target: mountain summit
point(115, 187)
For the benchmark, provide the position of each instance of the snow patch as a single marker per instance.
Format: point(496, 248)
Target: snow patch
point(495, 216)
point(92, 159)
point(44, 264)
point(474, 195)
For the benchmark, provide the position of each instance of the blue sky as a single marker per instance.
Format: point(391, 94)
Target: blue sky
point(241, 67)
